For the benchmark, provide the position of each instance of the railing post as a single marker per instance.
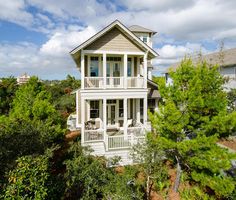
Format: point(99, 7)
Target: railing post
point(82, 119)
point(125, 118)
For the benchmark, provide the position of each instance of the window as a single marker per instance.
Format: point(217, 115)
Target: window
point(151, 105)
point(129, 68)
point(94, 66)
point(114, 59)
point(121, 108)
point(145, 39)
point(94, 109)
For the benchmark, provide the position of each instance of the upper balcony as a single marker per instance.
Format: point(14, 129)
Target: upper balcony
point(113, 71)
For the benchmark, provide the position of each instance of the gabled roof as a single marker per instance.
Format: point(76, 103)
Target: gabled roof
point(125, 30)
point(225, 58)
point(137, 28)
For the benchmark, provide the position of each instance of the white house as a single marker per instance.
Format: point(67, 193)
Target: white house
point(116, 89)
point(227, 66)
point(24, 78)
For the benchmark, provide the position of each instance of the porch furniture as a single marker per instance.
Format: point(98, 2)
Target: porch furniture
point(98, 123)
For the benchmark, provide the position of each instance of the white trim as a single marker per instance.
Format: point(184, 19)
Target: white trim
point(82, 69)
point(106, 29)
point(125, 61)
point(145, 70)
point(82, 119)
point(125, 118)
point(77, 108)
point(104, 69)
point(113, 52)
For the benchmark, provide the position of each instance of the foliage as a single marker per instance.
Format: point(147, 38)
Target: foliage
point(192, 116)
point(231, 95)
point(8, 87)
point(194, 192)
point(30, 178)
point(85, 175)
point(151, 157)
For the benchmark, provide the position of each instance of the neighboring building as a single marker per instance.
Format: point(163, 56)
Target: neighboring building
point(24, 78)
point(112, 104)
point(227, 66)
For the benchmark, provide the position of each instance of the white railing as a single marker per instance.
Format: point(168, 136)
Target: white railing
point(118, 142)
point(136, 131)
point(115, 82)
point(93, 82)
point(135, 82)
point(93, 135)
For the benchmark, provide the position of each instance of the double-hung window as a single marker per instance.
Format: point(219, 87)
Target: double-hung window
point(94, 109)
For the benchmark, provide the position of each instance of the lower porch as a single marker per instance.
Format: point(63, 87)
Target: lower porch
point(119, 123)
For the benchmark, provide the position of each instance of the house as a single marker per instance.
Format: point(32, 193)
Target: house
point(24, 78)
point(116, 87)
point(227, 66)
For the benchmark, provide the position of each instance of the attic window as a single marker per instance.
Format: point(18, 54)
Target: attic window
point(145, 39)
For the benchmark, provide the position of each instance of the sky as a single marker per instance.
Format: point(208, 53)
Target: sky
point(36, 36)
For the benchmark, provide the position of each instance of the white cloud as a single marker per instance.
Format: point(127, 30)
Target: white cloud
point(62, 42)
point(15, 11)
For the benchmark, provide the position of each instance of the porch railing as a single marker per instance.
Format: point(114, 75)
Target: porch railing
point(93, 82)
point(115, 82)
point(118, 142)
point(93, 135)
point(135, 82)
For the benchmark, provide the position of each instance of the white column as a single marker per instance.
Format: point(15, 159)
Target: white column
point(82, 75)
point(77, 108)
point(145, 111)
point(125, 118)
point(145, 69)
point(138, 110)
point(105, 122)
point(82, 119)
point(125, 70)
point(88, 109)
point(104, 66)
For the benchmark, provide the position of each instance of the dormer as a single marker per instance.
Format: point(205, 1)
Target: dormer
point(143, 34)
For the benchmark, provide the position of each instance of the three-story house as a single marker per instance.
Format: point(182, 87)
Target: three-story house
point(116, 88)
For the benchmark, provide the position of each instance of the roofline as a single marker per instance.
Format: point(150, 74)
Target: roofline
point(150, 31)
point(104, 30)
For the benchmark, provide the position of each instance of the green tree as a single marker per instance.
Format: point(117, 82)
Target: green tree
point(30, 179)
point(191, 117)
point(8, 87)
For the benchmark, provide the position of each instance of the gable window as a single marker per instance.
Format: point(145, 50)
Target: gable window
point(94, 66)
point(129, 67)
point(94, 109)
point(145, 39)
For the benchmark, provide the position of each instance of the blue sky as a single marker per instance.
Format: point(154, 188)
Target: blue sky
point(37, 35)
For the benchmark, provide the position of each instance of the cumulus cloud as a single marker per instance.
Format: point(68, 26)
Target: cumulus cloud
point(183, 27)
point(15, 11)
point(60, 43)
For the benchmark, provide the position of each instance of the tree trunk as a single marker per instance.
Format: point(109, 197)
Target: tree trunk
point(178, 175)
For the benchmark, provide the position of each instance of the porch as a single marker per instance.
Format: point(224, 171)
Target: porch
point(119, 123)
point(111, 70)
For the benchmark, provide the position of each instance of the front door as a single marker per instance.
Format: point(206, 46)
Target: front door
point(111, 114)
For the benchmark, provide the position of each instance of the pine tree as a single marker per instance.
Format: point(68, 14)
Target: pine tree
point(190, 120)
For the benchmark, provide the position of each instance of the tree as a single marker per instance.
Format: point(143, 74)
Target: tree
point(31, 178)
point(8, 87)
point(189, 121)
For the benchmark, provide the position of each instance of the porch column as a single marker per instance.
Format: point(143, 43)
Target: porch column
point(145, 111)
point(77, 108)
point(82, 119)
point(104, 67)
point(125, 70)
point(138, 110)
point(82, 75)
point(145, 70)
point(125, 119)
point(105, 122)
